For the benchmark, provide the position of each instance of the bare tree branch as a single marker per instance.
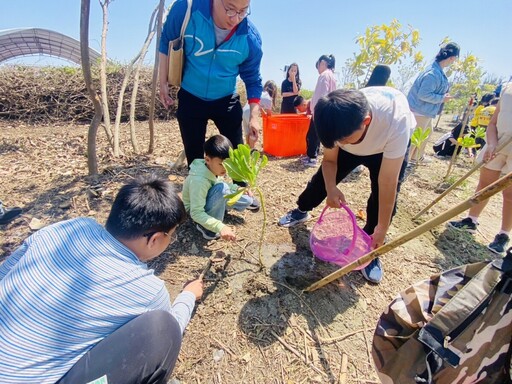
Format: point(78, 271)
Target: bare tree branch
point(103, 80)
point(161, 16)
point(86, 68)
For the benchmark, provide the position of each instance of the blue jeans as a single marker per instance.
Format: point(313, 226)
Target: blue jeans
point(216, 203)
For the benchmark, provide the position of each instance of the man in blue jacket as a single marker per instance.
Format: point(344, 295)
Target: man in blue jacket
point(220, 44)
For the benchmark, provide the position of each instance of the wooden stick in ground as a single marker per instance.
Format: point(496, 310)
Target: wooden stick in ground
point(461, 133)
point(343, 370)
point(477, 198)
point(206, 268)
point(458, 182)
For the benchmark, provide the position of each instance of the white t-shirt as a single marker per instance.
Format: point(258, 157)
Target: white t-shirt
point(504, 122)
point(391, 125)
point(265, 103)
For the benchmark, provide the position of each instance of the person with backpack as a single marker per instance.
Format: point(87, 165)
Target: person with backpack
point(220, 44)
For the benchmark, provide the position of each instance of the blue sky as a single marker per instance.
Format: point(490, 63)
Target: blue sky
point(295, 31)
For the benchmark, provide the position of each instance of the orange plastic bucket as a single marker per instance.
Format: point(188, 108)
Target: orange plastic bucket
point(285, 134)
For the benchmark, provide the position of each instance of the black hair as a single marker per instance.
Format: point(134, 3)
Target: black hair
point(487, 98)
point(329, 60)
point(380, 76)
point(340, 114)
point(448, 50)
point(217, 146)
point(271, 88)
point(297, 77)
point(298, 101)
point(145, 205)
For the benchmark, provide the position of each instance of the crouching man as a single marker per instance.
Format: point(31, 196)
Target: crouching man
point(79, 304)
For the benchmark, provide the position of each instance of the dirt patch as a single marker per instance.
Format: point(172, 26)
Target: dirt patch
point(253, 326)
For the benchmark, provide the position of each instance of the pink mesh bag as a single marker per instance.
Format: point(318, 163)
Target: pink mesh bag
point(337, 238)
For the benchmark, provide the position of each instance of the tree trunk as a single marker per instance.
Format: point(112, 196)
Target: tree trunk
point(86, 69)
point(128, 72)
point(103, 80)
point(161, 15)
point(151, 33)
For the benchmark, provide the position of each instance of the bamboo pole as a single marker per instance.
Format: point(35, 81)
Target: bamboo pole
point(477, 198)
point(458, 182)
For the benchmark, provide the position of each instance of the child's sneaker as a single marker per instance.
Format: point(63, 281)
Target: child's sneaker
point(254, 206)
point(465, 224)
point(499, 245)
point(207, 234)
point(310, 162)
point(292, 218)
point(9, 214)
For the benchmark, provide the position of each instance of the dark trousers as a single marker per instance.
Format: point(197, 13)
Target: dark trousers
point(315, 191)
point(193, 114)
point(312, 141)
point(143, 350)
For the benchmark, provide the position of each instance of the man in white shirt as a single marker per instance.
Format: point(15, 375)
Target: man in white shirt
point(370, 127)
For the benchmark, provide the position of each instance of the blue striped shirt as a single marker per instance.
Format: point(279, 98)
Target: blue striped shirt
point(66, 288)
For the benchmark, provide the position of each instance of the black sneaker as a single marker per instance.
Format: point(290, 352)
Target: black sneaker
point(292, 218)
point(9, 214)
point(255, 205)
point(465, 225)
point(207, 234)
point(499, 245)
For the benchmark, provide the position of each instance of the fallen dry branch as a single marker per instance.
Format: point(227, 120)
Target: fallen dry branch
point(341, 337)
point(297, 353)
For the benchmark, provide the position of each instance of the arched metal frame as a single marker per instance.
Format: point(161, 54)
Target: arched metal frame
point(37, 41)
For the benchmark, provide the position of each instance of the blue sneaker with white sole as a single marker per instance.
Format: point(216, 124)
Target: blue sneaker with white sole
point(373, 272)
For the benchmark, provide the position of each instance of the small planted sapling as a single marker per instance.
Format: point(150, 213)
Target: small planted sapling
point(418, 137)
point(468, 141)
point(245, 166)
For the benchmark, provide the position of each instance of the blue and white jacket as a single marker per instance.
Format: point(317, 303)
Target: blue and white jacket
point(210, 72)
point(428, 91)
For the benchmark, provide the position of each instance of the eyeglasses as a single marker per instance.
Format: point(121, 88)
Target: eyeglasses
point(232, 13)
point(173, 236)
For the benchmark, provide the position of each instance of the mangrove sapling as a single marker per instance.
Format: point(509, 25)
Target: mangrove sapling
point(418, 137)
point(245, 166)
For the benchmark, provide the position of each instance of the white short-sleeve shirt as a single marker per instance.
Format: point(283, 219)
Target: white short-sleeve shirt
point(391, 125)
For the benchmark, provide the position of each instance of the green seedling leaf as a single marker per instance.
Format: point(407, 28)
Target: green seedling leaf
point(467, 141)
point(234, 197)
point(479, 133)
point(244, 166)
point(419, 136)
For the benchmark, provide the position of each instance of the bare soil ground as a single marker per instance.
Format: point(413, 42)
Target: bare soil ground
point(252, 326)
